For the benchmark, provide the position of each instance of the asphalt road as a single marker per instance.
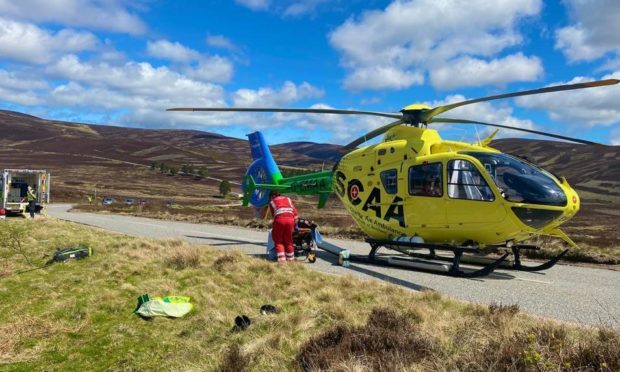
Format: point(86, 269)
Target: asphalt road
point(575, 294)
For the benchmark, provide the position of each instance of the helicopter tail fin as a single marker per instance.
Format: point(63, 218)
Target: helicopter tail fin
point(262, 171)
point(263, 175)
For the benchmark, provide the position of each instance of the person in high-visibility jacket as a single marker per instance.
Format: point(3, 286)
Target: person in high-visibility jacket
point(284, 219)
point(32, 200)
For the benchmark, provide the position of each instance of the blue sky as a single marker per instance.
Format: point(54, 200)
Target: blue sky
point(123, 62)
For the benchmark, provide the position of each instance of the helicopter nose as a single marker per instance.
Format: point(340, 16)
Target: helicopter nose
point(574, 202)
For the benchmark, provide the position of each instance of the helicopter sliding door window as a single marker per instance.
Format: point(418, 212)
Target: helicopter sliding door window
point(466, 182)
point(390, 181)
point(426, 180)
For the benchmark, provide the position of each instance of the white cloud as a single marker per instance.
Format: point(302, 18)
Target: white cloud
point(299, 8)
point(382, 77)
point(287, 8)
point(421, 35)
point(219, 41)
point(268, 97)
point(594, 31)
point(592, 106)
point(213, 69)
point(96, 14)
point(12, 80)
point(467, 71)
point(615, 137)
point(137, 94)
point(172, 51)
point(28, 43)
point(254, 4)
point(20, 88)
point(485, 112)
point(207, 68)
point(139, 79)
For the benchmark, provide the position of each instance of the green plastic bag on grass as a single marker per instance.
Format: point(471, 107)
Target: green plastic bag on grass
point(171, 306)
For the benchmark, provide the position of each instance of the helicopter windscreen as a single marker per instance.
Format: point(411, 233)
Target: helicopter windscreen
point(520, 181)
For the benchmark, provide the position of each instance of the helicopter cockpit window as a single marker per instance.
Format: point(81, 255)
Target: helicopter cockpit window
point(426, 180)
point(520, 181)
point(466, 182)
point(390, 181)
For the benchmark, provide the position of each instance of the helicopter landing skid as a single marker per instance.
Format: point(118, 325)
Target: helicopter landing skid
point(517, 265)
point(428, 262)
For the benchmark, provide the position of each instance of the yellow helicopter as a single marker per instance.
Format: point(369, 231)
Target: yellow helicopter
point(416, 191)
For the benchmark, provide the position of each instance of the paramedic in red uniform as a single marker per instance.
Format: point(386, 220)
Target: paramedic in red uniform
point(284, 220)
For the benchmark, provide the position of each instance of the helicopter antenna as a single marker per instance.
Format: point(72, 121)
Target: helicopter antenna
point(477, 134)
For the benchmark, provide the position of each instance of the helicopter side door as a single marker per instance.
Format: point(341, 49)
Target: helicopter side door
point(470, 200)
point(425, 202)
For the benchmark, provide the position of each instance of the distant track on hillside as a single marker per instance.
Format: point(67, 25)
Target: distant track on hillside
point(576, 294)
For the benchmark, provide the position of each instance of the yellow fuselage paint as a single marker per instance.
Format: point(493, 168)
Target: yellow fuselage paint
point(384, 215)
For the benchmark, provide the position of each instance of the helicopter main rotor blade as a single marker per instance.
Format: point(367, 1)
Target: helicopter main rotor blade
point(293, 110)
point(371, 135)
point(464, 121)
point(426, 116)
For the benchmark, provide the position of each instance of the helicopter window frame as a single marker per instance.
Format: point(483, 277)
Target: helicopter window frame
point(473, 190)
point(389, 180)
point(424, 187)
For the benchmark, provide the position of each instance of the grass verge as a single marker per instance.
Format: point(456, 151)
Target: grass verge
point(78, 315)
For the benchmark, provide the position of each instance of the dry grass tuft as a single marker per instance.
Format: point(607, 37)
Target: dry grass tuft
point(183, 258)
point(234, 360)
point(12, 336)
point(500, 309)
point(387, 342)
point(601, 353)
point(545, 347)
point(224, 263)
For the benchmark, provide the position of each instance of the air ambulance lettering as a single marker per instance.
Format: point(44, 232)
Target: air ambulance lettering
point(396, 211)
point(353, 190)
point(373, 202)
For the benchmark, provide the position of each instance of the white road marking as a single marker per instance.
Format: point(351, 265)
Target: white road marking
point(532, 280)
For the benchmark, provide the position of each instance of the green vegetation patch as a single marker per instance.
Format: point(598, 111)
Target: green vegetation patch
point(77, 315)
